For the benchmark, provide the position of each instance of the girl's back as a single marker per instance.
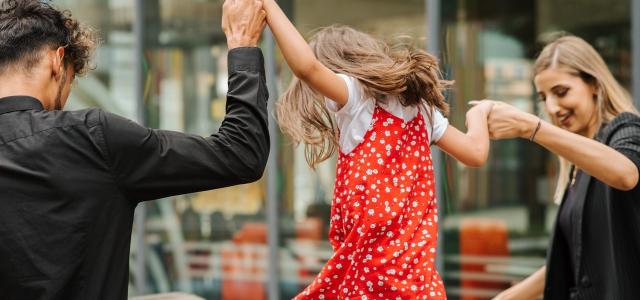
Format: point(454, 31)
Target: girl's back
point(386, 104)
point(384, 217)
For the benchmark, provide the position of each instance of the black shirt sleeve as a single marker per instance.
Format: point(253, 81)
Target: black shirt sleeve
point(626, 140)
point(150, 163)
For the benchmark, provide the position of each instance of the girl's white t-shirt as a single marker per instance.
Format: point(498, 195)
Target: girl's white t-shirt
point(354, 118)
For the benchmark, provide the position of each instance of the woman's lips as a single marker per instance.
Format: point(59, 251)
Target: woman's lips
point(566, 120)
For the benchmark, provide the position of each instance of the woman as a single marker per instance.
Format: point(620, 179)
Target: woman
point(595, 248)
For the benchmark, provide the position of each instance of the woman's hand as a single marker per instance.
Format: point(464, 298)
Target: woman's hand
point(596, 159)
point(506, 121)
point(530, 288)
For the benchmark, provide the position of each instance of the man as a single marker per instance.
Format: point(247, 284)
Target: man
point(70, 180)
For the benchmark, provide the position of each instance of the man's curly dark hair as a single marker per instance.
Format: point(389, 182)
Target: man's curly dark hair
point(27, 26)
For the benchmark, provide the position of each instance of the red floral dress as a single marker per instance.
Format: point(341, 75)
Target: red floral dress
point(384, 222)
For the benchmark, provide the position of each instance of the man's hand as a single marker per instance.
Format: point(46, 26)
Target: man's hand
point(243, 22)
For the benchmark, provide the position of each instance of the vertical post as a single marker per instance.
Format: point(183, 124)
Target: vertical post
point(272, 205)
point(635, 48)
point(139, 217)
point(433, 46)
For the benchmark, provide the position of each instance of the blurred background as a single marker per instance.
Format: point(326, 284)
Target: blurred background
point(163, 63)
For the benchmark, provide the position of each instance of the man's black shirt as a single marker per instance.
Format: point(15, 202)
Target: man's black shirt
point(70, 180)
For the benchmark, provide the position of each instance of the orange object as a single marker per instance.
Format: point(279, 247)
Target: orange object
point(253, 233)
point(481, 238)
point(244, 264)
point(309, 229)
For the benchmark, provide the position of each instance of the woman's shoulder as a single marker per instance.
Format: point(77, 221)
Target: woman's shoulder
point(627, 121)
point(623, 119)
point(626, 117)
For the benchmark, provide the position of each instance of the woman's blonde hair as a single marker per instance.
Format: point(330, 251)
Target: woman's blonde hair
point(410, 74)
point(612, 99)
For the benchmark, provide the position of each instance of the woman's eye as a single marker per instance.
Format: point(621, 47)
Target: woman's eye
point(562, 93)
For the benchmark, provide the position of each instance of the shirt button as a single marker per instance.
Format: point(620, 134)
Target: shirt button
point(585, 281)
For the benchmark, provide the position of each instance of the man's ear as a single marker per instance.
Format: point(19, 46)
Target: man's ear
point(58, 62)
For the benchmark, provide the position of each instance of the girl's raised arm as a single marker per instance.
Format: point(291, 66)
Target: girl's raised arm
point(471, 148)
point(301, 59)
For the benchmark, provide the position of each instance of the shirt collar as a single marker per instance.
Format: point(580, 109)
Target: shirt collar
point(18, 103)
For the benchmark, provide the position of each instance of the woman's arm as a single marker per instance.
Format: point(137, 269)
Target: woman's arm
point(597, 159)
point(301, 59)
point(530, 288)
point(472, 148)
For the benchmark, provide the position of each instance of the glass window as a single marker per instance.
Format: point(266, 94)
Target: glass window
point(110, 85)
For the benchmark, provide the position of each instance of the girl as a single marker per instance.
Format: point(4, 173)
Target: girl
point(386, 105)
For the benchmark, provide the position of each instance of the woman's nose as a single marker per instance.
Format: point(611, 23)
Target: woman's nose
point(552, 106)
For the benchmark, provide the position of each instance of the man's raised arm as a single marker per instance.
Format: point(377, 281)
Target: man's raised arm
point(150, 164)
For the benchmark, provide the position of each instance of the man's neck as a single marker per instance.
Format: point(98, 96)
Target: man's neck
point(20, 85)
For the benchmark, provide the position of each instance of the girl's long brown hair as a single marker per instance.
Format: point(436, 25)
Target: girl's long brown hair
point(410, 74)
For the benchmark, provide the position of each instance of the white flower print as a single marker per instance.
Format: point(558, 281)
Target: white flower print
point(392, 166)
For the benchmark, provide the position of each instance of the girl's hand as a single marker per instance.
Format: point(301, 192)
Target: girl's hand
point(471, 148)
point(480, 107)
point(506, 121)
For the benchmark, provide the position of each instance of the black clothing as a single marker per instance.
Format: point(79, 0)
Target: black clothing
point(70, 180)
point(567, 220)
point(607, 234)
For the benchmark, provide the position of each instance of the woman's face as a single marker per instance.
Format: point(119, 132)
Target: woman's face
point(569, 100)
